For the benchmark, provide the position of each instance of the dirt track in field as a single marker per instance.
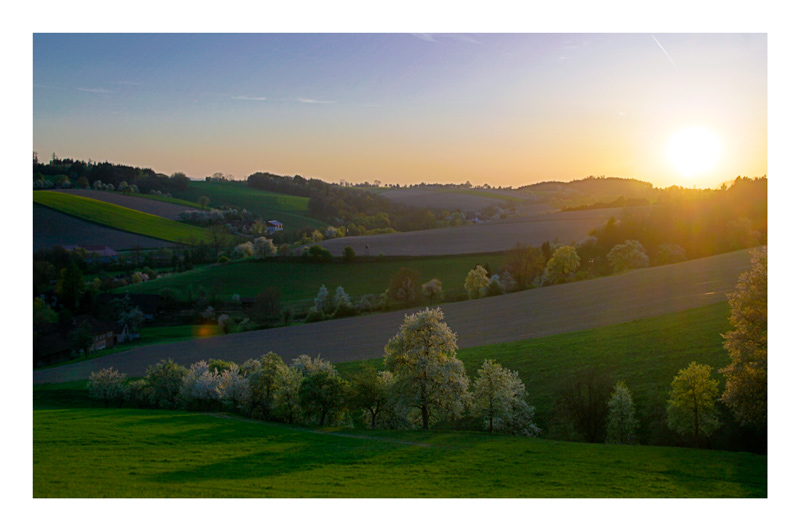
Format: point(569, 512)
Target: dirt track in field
point(562, 227)
point(148, 206)
point(51, 228)
point(523, 315)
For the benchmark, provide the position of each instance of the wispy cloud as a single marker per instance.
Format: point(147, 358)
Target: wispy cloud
point(249, 98)
point(95, 90)
point(665, 52)
point(461, 37)
point(312, 101)
point(424, 36)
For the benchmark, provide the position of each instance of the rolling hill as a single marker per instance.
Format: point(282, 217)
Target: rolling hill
point(290, 210)
point(523, 315)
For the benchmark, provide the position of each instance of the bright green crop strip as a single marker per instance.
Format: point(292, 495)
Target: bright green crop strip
point(119, 217)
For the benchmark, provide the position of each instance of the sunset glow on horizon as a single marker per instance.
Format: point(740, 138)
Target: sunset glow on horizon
point(502, 109)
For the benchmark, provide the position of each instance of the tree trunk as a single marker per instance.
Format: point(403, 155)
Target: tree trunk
point(374, 414)
point(424, 417)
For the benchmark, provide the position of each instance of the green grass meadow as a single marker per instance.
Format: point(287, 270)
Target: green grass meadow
point(117, 453)
point(290, 210)
point(82, 450)
point(301, 281)
point(119, 217)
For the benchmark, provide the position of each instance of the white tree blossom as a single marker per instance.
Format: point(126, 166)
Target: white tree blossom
point(322, 302)
point(106, 384)
point(243, 250)
point(476, 282)
point(628, 255)
point(562, 265)
point(341, 298)
point(264, 248)
point(432, 290)
point(499, 398)
point(430, 377)
point(199, 383)
point(233, 388)
point(621, 425)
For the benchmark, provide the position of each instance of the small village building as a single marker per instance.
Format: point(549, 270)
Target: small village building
point(101, 254)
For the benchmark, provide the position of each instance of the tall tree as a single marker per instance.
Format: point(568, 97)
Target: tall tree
point(690, 408)
point(746, 387)
point(499, 398)
point(423, 358)
point(621, 425)
point(70, 286)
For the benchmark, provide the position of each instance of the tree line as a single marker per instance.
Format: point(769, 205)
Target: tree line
point(345, 206)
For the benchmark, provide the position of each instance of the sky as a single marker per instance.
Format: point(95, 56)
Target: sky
point(507, 109)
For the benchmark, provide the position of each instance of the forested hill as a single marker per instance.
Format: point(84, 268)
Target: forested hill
point(348, 206)
point(597, 186)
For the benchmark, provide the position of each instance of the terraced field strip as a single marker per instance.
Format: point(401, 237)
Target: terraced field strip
point(119, 217)
point(165, 207)
point(51, 228)
point(522, 315)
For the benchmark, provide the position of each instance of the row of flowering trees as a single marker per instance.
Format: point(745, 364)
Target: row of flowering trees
point(423, 383)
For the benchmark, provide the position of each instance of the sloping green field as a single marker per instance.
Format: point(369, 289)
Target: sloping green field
point(81, 450)
point(79, 453)
point(301, 281)
point(119, 217)
point(290, 210)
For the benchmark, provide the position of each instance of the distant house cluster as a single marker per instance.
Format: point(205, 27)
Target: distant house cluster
point(101, 254)
point(54, 343)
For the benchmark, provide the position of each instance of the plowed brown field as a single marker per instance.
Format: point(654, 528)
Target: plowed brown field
point(523, 315)
point(561, 227)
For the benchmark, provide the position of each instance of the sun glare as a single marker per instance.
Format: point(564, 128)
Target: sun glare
point(694, 150)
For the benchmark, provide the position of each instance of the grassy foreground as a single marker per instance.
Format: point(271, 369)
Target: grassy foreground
point(84, 452)
point(119, 217)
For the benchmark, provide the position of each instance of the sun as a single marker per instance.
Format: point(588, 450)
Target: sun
point(694, 150)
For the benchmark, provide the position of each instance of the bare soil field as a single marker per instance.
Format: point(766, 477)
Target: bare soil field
point(528, 314)
point(561, 227)
point(148, 206)
point(51, 228)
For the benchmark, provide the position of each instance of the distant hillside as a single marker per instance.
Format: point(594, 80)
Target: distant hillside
point(589, 190)
point(291, 210)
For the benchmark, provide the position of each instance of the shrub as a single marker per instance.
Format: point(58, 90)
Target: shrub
point(199, 386)
point(432, 290)
point(628, 255)
point(165, 380)
point(476, 282)
point(107, 385)
point(243, 250)
point(404, 286)
point(234, 388)
point(669, 253)
point(562, 265)
point(621, 428)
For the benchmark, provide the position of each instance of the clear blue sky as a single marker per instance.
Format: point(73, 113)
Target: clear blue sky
point(507, 109)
